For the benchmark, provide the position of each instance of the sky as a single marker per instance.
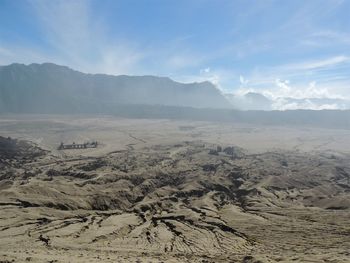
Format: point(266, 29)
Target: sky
point(286, 48)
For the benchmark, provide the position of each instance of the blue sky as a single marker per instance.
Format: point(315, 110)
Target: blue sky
point(293, 48)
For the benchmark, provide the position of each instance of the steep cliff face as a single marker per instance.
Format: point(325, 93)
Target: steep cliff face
point(47, 88)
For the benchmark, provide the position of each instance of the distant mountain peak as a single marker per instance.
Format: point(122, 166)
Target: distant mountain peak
point(49, 87)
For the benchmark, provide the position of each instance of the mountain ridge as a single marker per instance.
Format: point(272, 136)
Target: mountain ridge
point(21, 86)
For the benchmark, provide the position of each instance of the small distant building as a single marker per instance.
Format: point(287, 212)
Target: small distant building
point(74, 145)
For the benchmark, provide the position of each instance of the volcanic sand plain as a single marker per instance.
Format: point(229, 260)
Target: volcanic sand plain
point(172, 191)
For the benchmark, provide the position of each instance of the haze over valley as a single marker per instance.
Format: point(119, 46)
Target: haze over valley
point(174, 131)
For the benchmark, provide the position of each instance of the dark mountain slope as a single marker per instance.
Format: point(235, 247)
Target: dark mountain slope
point(48, 88)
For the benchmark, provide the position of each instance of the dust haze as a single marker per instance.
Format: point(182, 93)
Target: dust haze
point(179, 131)
point(158, 190)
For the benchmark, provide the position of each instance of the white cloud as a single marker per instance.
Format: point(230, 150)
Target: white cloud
point(204, 70)
point(214, 79)
point(80, 40)
point(243, 81)
point(219, 77)
point(283, 85)
point(307, 104)
point(284, 89)
point(326, 38)
point(76, 39)
point(317, 64)
point(323, 78)
point(284, 95)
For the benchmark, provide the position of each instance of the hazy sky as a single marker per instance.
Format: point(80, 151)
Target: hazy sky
point(293, 48)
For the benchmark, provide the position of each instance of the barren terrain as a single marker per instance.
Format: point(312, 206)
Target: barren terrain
point(172, 191)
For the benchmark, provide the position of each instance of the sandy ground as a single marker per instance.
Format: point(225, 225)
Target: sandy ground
point(159, 191)
point(116, 133)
